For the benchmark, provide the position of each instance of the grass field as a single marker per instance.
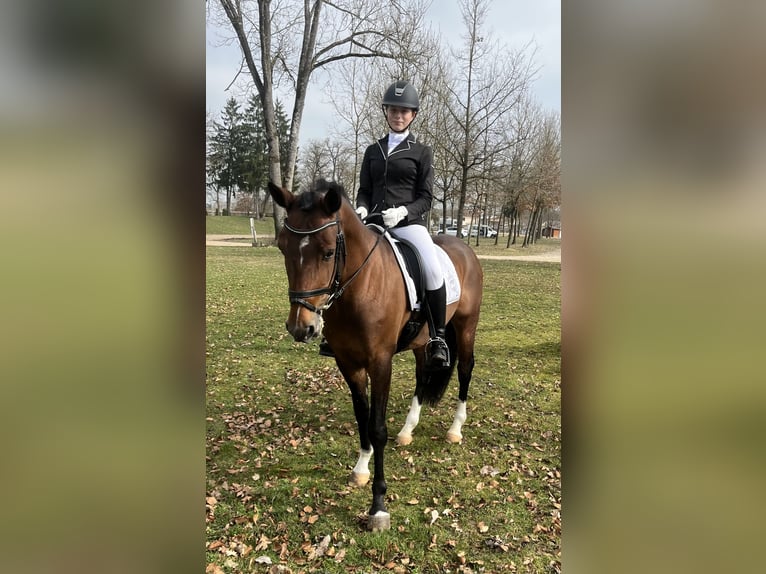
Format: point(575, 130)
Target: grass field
point(281, 439)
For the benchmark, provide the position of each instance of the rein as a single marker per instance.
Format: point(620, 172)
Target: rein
point(335, 289)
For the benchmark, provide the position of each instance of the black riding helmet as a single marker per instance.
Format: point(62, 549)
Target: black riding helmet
point(401, 94)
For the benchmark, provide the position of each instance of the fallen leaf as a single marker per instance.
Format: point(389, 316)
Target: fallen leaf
point(434, 515)
point(489, 470)
point(413, 501)
point(321, 548)
point(482, 527)
point(263, 560)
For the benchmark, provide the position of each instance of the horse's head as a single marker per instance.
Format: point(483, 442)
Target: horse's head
point(312, 243)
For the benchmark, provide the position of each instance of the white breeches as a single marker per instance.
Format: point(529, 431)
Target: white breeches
point(421, 239)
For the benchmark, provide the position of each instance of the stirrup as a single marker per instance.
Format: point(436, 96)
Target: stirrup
point(440, 344)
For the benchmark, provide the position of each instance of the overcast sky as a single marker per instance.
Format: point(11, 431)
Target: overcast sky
point(513, 22)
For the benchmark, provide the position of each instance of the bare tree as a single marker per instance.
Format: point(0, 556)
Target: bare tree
point(487, 84)
point(357, 87)
point(298, 38)
point(314, 163)
point(518, 157)
point(546, 184)
point(352, 92)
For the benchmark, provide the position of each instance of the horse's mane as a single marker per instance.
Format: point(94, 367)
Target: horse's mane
point(308, 199)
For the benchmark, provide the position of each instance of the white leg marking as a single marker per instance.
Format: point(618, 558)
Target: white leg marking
point(454, 434)
point(361, 473)
point(413, 418)
point(363, 464)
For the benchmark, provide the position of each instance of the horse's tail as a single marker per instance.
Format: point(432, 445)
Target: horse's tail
point(435, 382)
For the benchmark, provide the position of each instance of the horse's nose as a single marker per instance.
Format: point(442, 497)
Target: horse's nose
point(303, 325)
point(303, 334)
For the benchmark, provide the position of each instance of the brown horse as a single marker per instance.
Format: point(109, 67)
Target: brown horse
point(344, 282)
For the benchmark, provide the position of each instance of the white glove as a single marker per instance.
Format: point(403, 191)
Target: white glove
point(394, 215)
point(362, 211)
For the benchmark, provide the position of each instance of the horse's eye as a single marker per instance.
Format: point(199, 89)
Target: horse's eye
point(328, 254)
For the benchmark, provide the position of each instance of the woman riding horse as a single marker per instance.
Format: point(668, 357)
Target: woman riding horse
point(396, 180)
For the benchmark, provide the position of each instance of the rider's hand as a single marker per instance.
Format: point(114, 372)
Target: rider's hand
point(394, 215)
point(362, 211)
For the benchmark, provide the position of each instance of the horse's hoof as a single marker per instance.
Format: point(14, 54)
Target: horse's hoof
point(358, 479)
point(403, 439)
point(454, 438)
point(379, 521)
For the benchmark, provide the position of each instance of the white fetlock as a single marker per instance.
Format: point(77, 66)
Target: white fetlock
point(454, 434)
point(413, 418)
point(361, 473)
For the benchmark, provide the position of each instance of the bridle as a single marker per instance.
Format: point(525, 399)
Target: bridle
point(335, 289)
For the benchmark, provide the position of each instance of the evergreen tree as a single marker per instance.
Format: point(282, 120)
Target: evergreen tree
point(228, 150)
point(256, 168)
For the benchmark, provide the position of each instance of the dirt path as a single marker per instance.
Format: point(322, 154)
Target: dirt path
point(229, 240)
point(247, 241)
point(548, 257)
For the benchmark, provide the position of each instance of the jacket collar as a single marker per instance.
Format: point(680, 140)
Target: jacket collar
point(409, 140)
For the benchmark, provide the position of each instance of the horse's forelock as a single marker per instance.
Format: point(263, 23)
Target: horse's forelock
point(309, 199)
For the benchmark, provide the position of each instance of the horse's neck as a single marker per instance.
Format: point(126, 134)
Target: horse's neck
point(361, 241)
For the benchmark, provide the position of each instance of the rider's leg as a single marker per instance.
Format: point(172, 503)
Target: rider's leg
point(437, 352)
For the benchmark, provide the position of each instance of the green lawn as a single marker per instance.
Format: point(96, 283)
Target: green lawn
point(281, 438)
point(237, 225)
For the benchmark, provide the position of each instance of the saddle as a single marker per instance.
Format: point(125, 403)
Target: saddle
point(411, 267)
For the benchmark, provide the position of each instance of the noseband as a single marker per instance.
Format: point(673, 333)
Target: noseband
point(335, 289)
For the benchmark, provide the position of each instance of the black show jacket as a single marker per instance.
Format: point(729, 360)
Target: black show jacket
point(405, 177)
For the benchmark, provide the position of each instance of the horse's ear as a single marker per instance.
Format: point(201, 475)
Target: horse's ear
point(333, 198)
point(280, 195)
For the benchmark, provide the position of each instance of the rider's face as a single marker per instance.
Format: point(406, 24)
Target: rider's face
point(399, 118)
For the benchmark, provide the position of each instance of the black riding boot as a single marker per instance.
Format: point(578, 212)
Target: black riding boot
point(324, 348)
point(437, 352)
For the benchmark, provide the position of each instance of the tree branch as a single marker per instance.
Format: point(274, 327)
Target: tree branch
point(352, 55)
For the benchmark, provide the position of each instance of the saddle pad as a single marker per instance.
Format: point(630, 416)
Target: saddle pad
point(448, 270)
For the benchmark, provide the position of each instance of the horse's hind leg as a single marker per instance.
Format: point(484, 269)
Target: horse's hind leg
point(413, 416)
point(465, 364)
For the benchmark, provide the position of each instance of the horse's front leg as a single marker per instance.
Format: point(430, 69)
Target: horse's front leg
point(356, 379)
point(380, 378)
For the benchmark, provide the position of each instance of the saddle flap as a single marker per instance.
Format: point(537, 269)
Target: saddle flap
point(411, 267)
